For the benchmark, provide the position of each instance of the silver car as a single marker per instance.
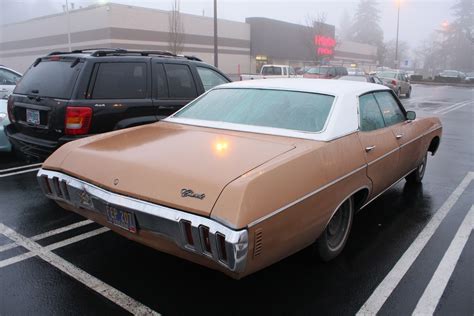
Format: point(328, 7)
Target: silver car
point(4, 143)
point(398, 81)
point(8, 80)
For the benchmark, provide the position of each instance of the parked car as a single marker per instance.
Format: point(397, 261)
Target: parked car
point(271, 71)
point(249, 173)
point(66, 96)
point(363, 78)
point(326, 72)
point(8, 80)
point(450, 76)
point(396, 80)
point(5, 145)
point(355, 71)
point(469, 77)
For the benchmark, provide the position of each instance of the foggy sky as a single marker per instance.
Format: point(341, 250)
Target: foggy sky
point(418, 18)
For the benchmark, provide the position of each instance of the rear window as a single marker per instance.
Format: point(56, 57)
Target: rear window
point(299, 111)
point(268, 71)
point(354, 78)
point(53, 79)
point(391, 75)
point(120, 81)
point(318, 70)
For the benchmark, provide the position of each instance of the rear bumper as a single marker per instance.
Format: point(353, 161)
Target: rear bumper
point(34, 146)
point(228, 247)
point(5, 145)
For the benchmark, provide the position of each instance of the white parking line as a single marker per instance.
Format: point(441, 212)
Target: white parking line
point(18, 172)
point(452, 106)
point(456, 108)
point(102, 288)
point(54, 246)
point(391, 280)
point(21, 167)
point(49, 233)
point(435, 289)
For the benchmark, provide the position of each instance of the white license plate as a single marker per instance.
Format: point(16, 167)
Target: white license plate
point(33, 117)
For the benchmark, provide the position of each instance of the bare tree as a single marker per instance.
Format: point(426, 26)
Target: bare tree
point(176, 28)
point(315, 25)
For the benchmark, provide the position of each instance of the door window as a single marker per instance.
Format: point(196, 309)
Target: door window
point(8, 77)
point(210, 78)
point(391, 111)
point(180, 82)
point(370, 115)
point(160, 78)
point(120, 81)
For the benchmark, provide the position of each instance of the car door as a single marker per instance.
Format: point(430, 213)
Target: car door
point(174, 86)
point(210, 78)
point(408, 133)
point(381, 147)
point(8, 80)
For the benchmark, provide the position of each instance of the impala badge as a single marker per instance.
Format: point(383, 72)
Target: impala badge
point(190, 193)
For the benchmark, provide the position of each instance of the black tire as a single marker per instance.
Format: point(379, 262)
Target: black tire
point(332, 241)
point(417, 175)
point(408, 95)
point(399, 92)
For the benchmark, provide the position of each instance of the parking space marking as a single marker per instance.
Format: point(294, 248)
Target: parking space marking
point(52, 247)
point(49, 233)
point(21, 167)
point(102, 288)
point(18, 172)
point(451, 106)
point(435, 289)
point(457, 107)
point(391, 280)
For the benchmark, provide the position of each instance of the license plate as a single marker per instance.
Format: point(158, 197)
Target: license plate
point(121, 218)
point(33, 117)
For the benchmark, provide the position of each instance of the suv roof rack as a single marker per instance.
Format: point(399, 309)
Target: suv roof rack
point(98, 52)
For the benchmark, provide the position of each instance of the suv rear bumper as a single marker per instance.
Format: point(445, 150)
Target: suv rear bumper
point(33, 146)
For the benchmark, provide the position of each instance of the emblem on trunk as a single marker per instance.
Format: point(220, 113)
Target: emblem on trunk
point(190, 193)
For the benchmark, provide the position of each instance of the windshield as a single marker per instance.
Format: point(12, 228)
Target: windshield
point(318, 70)
point(60, 79)
point(271, 70)
point(292, 110)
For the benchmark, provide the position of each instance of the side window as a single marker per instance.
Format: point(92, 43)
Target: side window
point(391, 111)
point(8, 77)
point(210, 78)
point(284, 72)
point(292, 71)
point(332, 71)
point(180, 81)
point(161, 85)
point(120, 81)
point(370, 115)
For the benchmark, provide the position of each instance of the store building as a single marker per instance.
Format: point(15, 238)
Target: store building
point(128, 27)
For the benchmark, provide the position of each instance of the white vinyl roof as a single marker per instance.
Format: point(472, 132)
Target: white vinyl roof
point(343, 118)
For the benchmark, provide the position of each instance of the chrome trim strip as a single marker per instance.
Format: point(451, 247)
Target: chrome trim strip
point(384, 155)
point(281, 209)
point(159, 219)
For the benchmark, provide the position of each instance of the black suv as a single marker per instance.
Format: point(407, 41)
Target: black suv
point(68, 95)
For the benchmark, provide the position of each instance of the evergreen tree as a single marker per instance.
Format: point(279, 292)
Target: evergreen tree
point(459, 43)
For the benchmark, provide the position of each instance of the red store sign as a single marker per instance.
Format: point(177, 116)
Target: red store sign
point(324, 44)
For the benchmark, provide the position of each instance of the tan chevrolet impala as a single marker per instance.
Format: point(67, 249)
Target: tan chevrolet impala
point(249, 173)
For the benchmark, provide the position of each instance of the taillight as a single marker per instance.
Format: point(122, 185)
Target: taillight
point(11, 117)
point(394, 82)
point(78, 120)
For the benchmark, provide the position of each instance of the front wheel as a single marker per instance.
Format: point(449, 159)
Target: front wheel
point(334, 238)
point(408, 95)
point(416, 176)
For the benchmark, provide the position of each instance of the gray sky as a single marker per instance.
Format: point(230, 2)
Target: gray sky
point(418, 18)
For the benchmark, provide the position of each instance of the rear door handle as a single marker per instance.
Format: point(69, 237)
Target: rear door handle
point(399, 136)
point(367, 149)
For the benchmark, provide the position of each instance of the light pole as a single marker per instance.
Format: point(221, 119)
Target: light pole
point(398, 28)
point(68, 27)
point(216, 61)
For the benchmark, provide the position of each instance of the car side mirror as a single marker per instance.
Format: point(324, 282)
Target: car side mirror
point(411, 115)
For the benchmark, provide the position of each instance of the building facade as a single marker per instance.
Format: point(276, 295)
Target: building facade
point(122, 26)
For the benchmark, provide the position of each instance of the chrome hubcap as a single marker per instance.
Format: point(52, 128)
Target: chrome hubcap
point(338, 226)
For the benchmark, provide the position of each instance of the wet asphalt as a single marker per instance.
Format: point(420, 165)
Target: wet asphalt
point(297, 285)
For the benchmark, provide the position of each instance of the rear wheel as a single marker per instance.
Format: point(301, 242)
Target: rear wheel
point(417, 175)
point(399, 92)
point(408, 93)
point(334, 237)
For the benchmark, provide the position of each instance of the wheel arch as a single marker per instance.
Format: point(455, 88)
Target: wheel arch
point(434, 144)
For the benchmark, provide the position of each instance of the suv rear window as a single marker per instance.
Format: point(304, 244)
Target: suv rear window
point(120, 81)
point(53, 79)
point(271, 70)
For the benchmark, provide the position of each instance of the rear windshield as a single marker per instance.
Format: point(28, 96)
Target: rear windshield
point(271, 71)
point(299, 111)
point(354, 78)
point(53, 79)
point(388, 75)
point(318, 70)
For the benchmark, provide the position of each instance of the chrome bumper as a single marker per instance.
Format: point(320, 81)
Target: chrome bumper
point(209, 238)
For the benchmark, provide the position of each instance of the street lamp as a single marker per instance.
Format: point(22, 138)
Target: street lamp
point(216, 62)
point(398, 28)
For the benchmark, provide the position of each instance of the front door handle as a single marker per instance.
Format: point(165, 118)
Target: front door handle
point(399, 136)
point(367, 149)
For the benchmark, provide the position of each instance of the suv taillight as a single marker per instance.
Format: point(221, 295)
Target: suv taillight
point(394, 82)
point(11, 117)
point(78, 120)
